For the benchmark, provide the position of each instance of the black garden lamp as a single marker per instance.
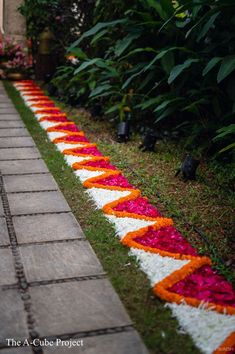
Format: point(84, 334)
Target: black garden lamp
point(123, 131)
point(149, 142)
point(96, 110)
point(188, 168)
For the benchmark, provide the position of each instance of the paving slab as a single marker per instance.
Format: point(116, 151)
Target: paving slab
point(7, 267)
point(2, 91)
point(5, 103)
point(53, 261)
point(38, 202)
point(77, 306)
point(4, 237)
point(19, 153)
point(16, 132)
point(53, 249)
point(20, 350)
point(19, 167)
point(4, 98)
point(9, 114)
point(11, 308)
point(118, 343)
point(14, 142)
point(47, 227)
point(1, 208)
point(7, 124)
point(29, 183)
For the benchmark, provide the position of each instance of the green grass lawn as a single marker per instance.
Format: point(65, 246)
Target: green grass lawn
point(199, 202)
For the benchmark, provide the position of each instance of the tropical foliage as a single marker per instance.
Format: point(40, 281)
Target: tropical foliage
point(64, 17)
point(171, 62)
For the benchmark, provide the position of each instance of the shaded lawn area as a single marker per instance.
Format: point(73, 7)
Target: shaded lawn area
point(200, 202)
point(200, 205)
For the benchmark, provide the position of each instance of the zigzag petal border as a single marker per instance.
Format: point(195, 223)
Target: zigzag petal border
point(108, 188)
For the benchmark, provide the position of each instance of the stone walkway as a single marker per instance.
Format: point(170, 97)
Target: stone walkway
point(52, 285)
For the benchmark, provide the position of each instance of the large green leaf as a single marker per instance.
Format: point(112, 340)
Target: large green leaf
point(158, 8)
point(147, 81)
point(211, 64)
point(230, 129)
point(136, 71)
point(226, 68)
point(168, 62)
point(194, 107)
point(178, 69)
point(168, 7)
point(100, 89)
point(86, 64)
point(105, 94)
point(228, 147)
point(78, 52)
point(128, 81)
point(114, 108)
point(124, 43)
point(166, 103)
point(165, 114)
point(138, 50)
point(207, 26)
point(99, 35)
point(94, 30)
point(163, 52)
point(164, 8)
point(150, 102)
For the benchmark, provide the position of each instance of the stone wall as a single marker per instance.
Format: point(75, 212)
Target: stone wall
point(14, 22)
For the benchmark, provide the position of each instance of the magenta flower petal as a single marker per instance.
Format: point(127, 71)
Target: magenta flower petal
point(100, 164)
point(139, 206)
point(207, 285)
point(117, 180)
point(166, 239)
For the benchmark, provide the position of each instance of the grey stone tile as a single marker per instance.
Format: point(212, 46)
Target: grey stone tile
point(19, 153)
point(19, 167)
point(11, 308)
point(4, 101)
point(4, 238)
point(9, 114)
point(11, 124)
point(47, 227)
point(6, 104)
point(1, 208)
point(118, 343)
point(38, 202)
point(14, 132)
point(29, 183)
point(14, 142)
point(20, 350)
point(77, 306)
point(7, 267)
point(59, 260)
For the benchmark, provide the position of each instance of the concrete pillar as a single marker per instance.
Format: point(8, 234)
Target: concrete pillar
point(13, 22)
